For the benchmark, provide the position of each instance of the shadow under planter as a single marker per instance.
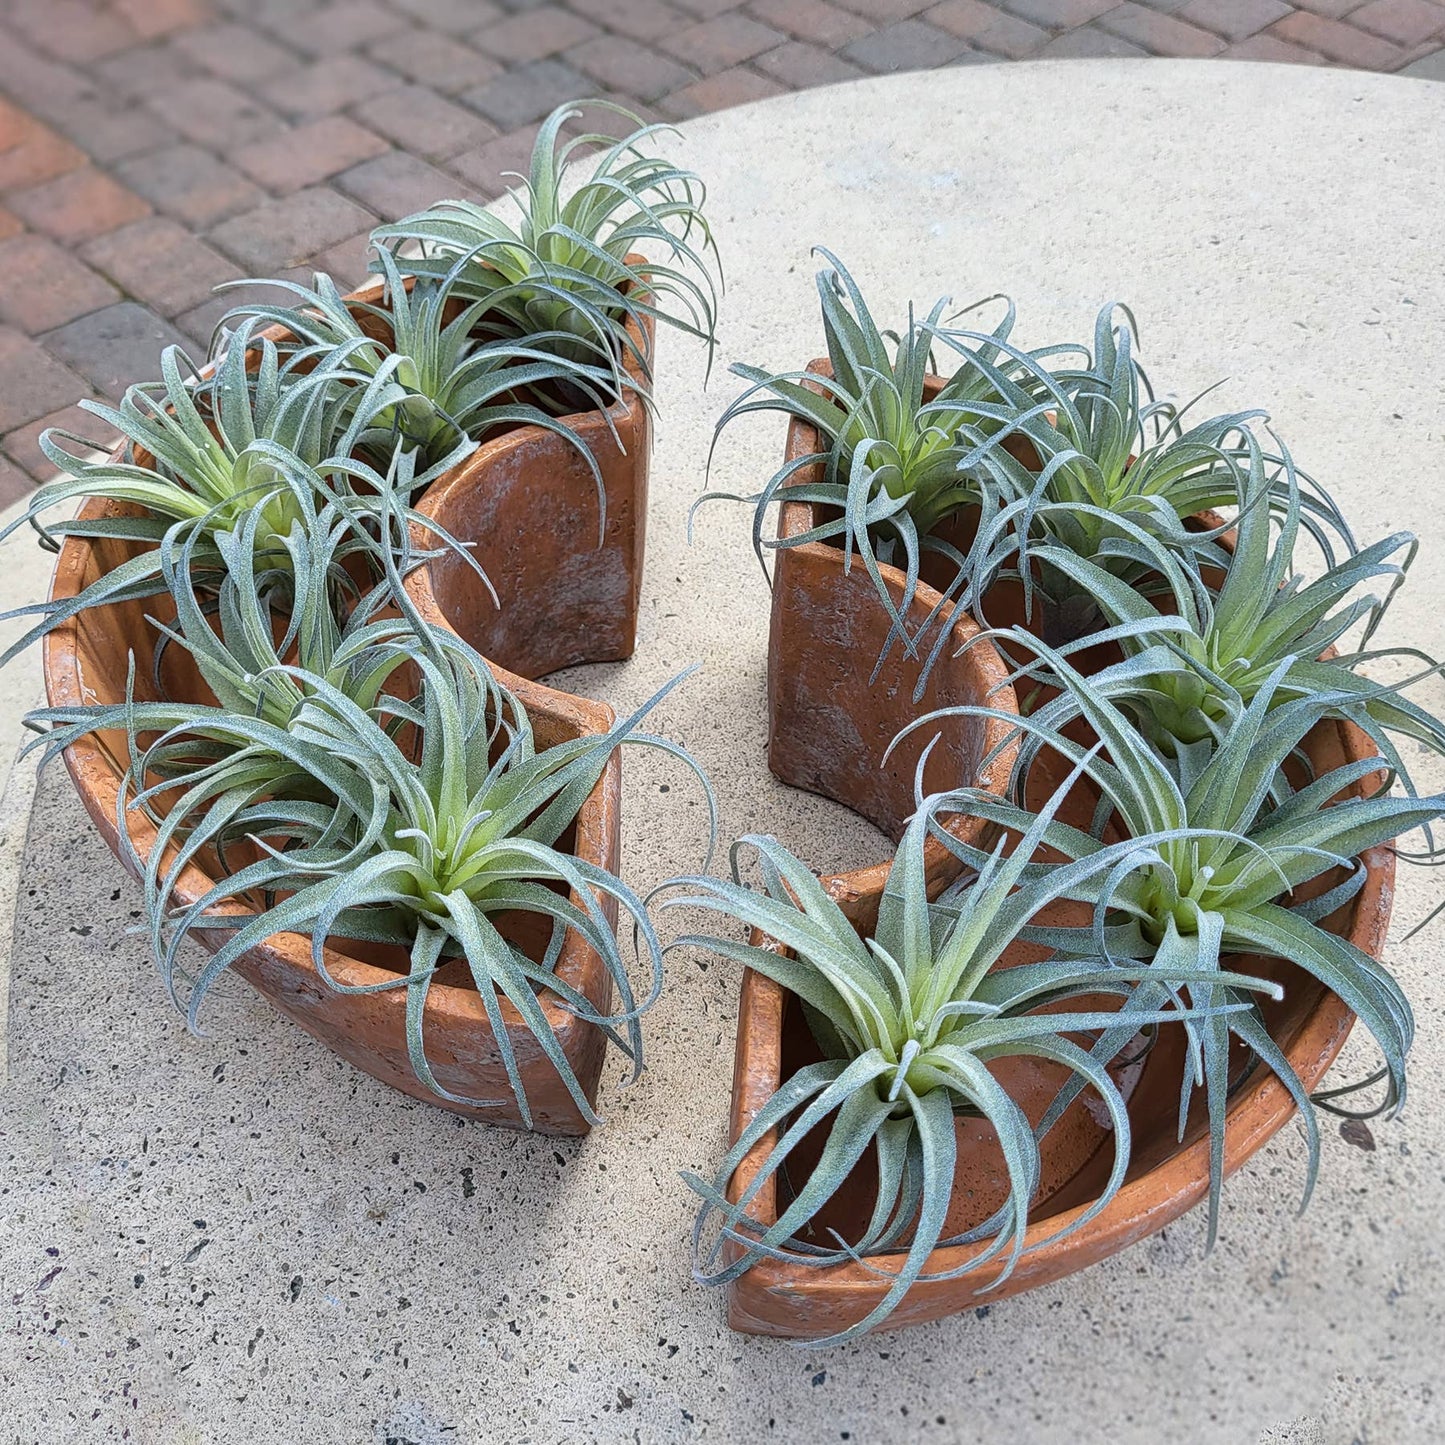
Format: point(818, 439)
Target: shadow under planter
point(791, 1297)
point(85, 661)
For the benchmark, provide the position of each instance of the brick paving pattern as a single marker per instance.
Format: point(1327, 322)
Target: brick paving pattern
point(152, 148)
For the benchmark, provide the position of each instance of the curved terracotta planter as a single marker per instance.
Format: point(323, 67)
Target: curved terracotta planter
point(788, 1297)
point(527, 503)
point(85, 660)
point(830, 721)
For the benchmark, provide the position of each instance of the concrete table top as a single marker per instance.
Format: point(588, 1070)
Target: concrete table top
point(239, 1238)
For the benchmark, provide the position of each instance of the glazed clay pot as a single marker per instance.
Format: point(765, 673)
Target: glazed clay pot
point(830, 721)
point(85, 660)
point(527, 502)
point(788, 1297)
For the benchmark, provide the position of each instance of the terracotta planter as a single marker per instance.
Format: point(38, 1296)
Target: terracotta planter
point(527, 501)
point(85, 660)
point(788, 1297)
point(830, 722)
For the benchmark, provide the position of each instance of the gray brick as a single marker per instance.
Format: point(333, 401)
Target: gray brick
point(114, 347)
point(285, 232)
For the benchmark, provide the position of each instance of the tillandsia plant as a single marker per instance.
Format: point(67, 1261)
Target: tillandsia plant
point(1110, 465)
point(893, 467)
point(423, 376)
point(1217, 865)
point(1182, 678)
point(910, 1022)
point(210, 454)
point(560, 277)
point(351, 812)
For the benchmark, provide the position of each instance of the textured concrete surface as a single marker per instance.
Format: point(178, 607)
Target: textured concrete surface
point(238, 1238)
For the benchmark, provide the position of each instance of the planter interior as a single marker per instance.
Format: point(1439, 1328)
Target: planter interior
point(789, 1297)
point(85, 659)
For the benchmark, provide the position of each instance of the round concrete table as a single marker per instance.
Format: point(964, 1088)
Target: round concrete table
point(241, 1238)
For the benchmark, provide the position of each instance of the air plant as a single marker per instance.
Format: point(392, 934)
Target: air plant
point(893, 467)
point(410, 820)
point(424, 378)
point(560, 277)
point(210, 454)
point(1183, 677)
point(910, 1021)
point(1114, 477)
point(1214, 868)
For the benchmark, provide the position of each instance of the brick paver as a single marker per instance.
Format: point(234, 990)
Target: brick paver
point(151, 148)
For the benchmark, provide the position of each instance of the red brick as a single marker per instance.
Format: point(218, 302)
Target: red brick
point(440, 61)
point(40, 156)
point(813, 20)
point(1267, 47)
point(72, 30)
point(1406, 22)
point(629, 68)
point(45, 286)
point(1234, 19)
point(800, 65)
point(15, 125)
point(190, 184)
point(22, 445)
point(1161, 34)
point(637, 19)
point(1337, 41)
point(32, 382)
point(308, 154)
point(718, 92)
point(327, 86)
point(533, 35)
point(10, 225)
point(397, 185)
point(421, 121)
point(724, 41)
point(285, 232)
point(993, 30)
point(160, 262)
point(214, 113)
point(79, 205)
point(235, 52)
point(485, 168)
point(346, 264)
point(151, 19)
